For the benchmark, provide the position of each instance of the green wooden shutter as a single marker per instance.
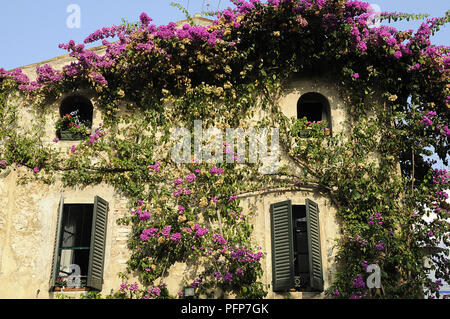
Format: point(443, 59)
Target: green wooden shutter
point(282, 246)
point(315, 254)
point(98, 239)
point(55, 261)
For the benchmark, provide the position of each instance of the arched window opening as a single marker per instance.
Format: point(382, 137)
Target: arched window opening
point(315, 108)
point(76, 113)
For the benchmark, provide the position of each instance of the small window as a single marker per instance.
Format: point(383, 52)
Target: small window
point(314, 107)
point(79, 246)
point(296, 252)
point(75, 121)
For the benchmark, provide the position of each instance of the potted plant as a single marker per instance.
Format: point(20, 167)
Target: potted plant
point(71, 127)
point(60, 283)
point(307, 129)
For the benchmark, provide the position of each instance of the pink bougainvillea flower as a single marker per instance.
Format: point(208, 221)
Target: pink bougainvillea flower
point(123, 286)
point(134, 287)
point(178, 181)
point(145, 19)
point(191, 178)
point(176, 237)
point(216, 171)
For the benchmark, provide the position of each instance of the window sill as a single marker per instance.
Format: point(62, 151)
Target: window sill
point(68, 289)
point(297, 295)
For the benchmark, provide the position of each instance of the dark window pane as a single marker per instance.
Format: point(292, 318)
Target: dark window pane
point(77, 224)
point(301, 256)
point(312, 111)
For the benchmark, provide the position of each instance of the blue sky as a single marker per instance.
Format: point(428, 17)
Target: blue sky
point(30, 31)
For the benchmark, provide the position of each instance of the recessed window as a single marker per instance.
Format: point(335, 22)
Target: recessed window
point(75, 121)
point(296, 252)
point(314, 107)
point(79, 246)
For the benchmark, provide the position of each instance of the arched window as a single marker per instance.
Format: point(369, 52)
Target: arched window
point(75, 122)
point(314, 107)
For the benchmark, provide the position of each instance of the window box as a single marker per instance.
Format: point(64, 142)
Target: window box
point(309, 132)
point(70, 136)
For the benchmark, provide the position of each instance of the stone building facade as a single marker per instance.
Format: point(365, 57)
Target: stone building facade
point(29, 214)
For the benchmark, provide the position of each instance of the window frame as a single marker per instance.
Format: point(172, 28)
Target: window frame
point(87, 115)
point(97, 243)
point(316, 98)
point(283, 253)
point(72, 248)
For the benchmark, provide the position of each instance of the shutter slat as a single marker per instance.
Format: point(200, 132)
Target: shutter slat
point(315, 253)
point(282, 246)
point(98, 239)
point(101, 223)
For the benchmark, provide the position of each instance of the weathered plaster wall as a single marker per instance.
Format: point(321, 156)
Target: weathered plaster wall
point(28, 222)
